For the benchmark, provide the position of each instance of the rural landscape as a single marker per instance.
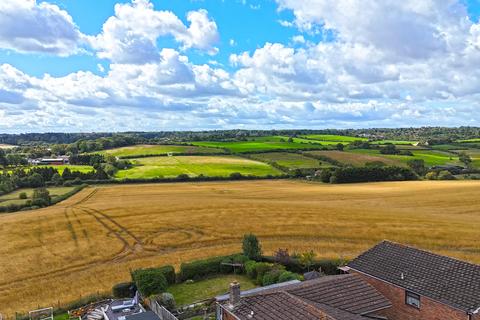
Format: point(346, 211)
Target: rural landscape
point(239, 160)
point(112, 209)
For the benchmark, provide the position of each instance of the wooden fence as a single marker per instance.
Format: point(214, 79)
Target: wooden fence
point(161, 312)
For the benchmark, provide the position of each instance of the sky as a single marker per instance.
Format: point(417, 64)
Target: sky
point(154, 65)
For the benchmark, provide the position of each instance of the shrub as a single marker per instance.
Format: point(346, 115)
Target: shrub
point(201, 268)
point(150, 281)
point(250, 269)
point(22, 195)
point(272, 276)
point(124, 290)
point(167, 300)
point(445, 175)
point(251, 247)
point(288, 276)
point(432, 175)
point(169, 273)
point(240, 258)
point(260, 269)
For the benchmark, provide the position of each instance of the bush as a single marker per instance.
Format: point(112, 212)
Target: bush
point(272, 276)
point(22, 195)
point(288, 276)
point(251, 247)
point(169, 273)
point(150, 281)
point(250, 269)
point(260, 269)
point(167, 300)
point(225, 267)
point(445, 175)
point(124, 290)
point(201, 268)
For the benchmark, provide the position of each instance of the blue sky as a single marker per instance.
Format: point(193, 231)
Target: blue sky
point(89, 65)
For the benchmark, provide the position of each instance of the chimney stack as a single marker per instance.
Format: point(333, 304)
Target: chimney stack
point(234, 293)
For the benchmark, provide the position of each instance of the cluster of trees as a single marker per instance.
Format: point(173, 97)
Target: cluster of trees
point(366, 174)
point(37, 177)
point(86, 142)
point(392, 149)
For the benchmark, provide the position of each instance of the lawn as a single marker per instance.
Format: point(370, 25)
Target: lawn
point(262, 144)
point(188, 293)
point(355, 159)
point(142, 150)
point(217, 166)
point(333, 138)
point(92, 240)
point(14, 197)
point(431, 157)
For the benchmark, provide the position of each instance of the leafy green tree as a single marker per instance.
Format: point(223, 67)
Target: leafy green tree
point(307, 259)
point(57, 179)
point(340, 146)
point(465, 158)
point(251, 247)
point(41, 197)
point(445, 175)
point(417, 165)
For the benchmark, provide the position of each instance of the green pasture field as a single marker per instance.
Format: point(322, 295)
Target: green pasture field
point(142, 150)
point(60, 168)
point(476, 140)
point(289, 160)
point(71, 167)
point(395, 142)
point(262, 144)
point(14, 197)
point(333, 138)
point(431, 157)
point(215, 166)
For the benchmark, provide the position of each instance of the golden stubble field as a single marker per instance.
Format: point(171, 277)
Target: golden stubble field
point(92, 240)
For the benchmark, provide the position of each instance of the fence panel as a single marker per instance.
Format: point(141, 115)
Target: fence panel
point(161, 312)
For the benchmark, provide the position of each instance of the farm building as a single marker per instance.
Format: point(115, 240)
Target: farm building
point(420, 285)
point(62, 160)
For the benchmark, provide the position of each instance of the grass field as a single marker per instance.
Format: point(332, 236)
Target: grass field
point(14, 197)
point(79, 168)
point(289, 160)
point(187, 293)
point(263, 144)
point(140, 150)
point(355, 159)
point(476, 140)
point(333, 138)
point(218, 166)
point(395, 142)
point(431, 157)
point(90, 241)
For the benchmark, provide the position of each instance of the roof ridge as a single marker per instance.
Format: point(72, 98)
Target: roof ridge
point(425, 251)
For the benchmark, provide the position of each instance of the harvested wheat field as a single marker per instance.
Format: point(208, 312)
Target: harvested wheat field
point(92, 240)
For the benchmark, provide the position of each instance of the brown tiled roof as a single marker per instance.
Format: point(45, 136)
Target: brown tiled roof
point(276, 306)
point(345, 292)
point(284, 306)
point(447, 280)
point(342, 297)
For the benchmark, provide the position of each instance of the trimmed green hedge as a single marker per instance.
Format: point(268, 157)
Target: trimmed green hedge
point(150, 281)
point(203, 268)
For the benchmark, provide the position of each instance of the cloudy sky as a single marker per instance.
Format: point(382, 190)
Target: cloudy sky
point(118, 65)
